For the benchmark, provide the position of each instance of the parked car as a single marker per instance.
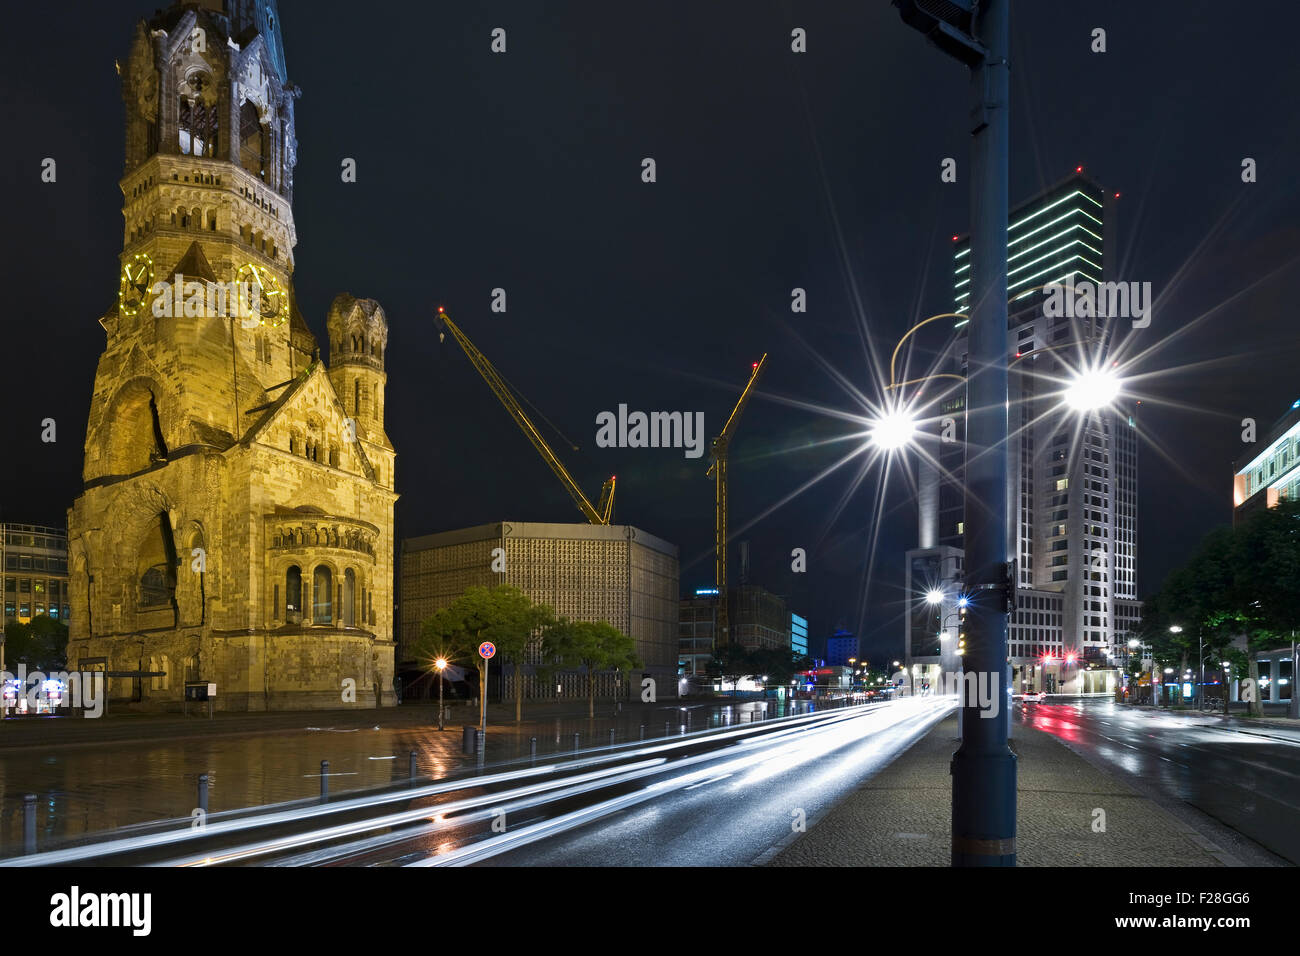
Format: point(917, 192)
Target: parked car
point(1034, 696)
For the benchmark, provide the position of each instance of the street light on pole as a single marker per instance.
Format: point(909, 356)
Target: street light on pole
point(984, 768)
point(441, 665)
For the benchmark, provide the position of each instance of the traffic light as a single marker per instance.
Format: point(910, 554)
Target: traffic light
point(948, 24)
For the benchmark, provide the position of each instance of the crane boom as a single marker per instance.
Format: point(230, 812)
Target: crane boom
point(718, 471)
point(596, 514)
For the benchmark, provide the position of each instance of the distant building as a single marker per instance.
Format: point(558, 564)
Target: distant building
point(759, 618)
point(35, 562)
point(840, 646)
point(615, 573)
point(798, 635)
point(696, 625)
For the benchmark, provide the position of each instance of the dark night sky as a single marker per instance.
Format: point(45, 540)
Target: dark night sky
point(775, 170)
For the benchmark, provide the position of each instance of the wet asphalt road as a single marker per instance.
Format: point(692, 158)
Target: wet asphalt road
point(1246, 782)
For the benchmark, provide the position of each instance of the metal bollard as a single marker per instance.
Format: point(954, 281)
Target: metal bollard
point(666, 730)
point(642, 735)
point(575, 741)
point(29, 823)
point(324, 780)
point(203, 792)
point(412, 764)
point(532, 749)
point(468, 742)
point(611, 736)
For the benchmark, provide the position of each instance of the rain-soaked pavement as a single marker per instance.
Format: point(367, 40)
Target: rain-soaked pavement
point(93, 787)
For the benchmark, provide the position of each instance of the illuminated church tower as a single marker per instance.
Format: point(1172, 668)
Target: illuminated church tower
point(236, 523)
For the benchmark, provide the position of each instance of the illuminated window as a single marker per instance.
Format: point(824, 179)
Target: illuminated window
point(322, 597)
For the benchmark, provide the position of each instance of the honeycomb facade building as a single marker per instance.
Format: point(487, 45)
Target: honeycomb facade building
point(236, 521)
point(613, 573)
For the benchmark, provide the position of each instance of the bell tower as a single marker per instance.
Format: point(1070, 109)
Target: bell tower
point(358, 334)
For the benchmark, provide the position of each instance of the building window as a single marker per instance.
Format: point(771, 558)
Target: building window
point(293, 595)
point(322, 597)
point(349, 597)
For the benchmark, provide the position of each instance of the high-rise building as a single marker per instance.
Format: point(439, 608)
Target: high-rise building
point(841, 647)
point(35, 563)
point(1072, 500)
point(236, 521)
point(1271, 474)
point(613, 573)
point(759, 618)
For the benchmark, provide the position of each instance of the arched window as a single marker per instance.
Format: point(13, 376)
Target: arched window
point(322, 598)
point(252, 141)
point(349, 598)
point(293, 595)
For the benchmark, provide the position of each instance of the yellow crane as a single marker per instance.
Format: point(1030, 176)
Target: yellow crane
point(596, 514)
point(718, 472)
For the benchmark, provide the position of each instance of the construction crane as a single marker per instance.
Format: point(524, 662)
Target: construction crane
point(718, 472)
point(597, 514)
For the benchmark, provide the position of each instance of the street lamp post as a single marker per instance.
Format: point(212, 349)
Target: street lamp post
point(441, 664)
point(983, 768)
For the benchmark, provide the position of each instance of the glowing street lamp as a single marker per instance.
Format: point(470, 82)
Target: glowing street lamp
point(893, 430)
point(441, 664)
point(933, 596)
point(1092, 389)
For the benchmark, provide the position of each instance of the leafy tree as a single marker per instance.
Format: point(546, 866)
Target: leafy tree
point(595, 646)
point(503, 615)
point(732, 663)
point(41, 644)
point(777, 664)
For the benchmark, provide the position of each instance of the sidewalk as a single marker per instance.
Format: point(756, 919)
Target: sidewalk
point(902, 816)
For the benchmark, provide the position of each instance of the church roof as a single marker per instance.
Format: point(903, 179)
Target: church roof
point(243, 20)
point(194, 265)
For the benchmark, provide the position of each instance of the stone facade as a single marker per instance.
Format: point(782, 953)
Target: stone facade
point(236, 524)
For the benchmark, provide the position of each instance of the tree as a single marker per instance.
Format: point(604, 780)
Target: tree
point(732, 663)
point(503, 615)
point(41, 644)
point(595, 646)
point(777, 664)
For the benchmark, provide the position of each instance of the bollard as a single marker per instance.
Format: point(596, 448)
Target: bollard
point(324, 780)
point(642, 735)
point(575, 741)
point(412, 764)
point(203, 793)
point(611, 736)
point(29, 823)
point(480, 742)
point(532, 749)
point(666, 730)
point(468, 742)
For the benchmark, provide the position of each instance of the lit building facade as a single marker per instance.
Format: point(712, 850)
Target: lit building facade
point(696, 628)
point(798, 635)
point(1072, 500)
point(34, 559)
point(841, 647)
point(235, 525)
point(613, 573)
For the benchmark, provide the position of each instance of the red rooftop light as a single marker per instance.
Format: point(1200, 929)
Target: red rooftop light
point(1078, 169)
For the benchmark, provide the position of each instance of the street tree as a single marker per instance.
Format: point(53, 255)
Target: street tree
point(594, 646)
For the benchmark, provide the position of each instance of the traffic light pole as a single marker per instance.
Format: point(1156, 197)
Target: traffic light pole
point(984, 768)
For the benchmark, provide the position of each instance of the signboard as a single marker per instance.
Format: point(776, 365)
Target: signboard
point(486, 650)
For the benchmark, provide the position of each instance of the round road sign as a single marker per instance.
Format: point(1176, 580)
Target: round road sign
point(486, 650)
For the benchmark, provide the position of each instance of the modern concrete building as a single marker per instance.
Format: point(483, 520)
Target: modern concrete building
point(35, 563)
point(759, 618)
point(1073, 500)
point(613, 573)
point(696, 630)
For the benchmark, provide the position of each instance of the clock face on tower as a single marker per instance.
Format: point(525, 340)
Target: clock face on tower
point(266, 303)
point(137, 279)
